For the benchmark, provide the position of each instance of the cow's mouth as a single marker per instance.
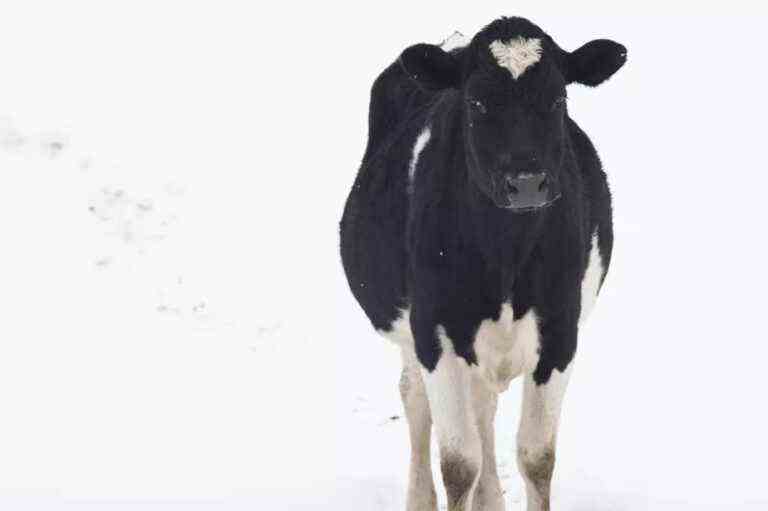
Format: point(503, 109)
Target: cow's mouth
point(509, 204)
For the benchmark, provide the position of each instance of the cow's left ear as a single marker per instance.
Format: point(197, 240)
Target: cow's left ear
point(431, 67)
point(595, 62)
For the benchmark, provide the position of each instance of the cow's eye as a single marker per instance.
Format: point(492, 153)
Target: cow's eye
point(478, 106)
point(558, 103)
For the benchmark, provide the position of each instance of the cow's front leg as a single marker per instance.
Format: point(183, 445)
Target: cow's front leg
point(421, 485)
point(488, 495)
point(449, 390)
point(537, 435)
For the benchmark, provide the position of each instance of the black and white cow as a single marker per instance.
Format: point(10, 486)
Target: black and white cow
point(476, 236)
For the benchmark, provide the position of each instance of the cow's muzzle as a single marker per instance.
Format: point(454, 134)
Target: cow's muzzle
point(526, 191)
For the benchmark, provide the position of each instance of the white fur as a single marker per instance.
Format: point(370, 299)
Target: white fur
point(451, 403)
point(539, 421)
point(454, 41)
point(450, 400)
point(593, 276)
point(421, 484)
point(517, 54)
point(506, 348)
point(418, 147)
point(488, 495)
point(541, 409)
point(400, 333)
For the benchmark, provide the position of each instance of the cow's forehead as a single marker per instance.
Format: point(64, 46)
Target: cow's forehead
point(517, 54)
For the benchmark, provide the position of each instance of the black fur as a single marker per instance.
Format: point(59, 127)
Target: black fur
point(443, 246)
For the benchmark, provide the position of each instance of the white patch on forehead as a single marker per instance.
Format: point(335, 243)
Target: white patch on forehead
point(517, 55)
point(418, 147)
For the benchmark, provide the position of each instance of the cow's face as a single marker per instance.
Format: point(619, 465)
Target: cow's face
point(514, 121)
point(511, 82)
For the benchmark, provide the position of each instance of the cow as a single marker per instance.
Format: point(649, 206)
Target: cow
point(476, 236)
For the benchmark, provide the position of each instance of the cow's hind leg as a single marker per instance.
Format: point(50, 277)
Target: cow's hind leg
point(449, 390)
point(537, 435)
point(488, 495)
point(421, 485)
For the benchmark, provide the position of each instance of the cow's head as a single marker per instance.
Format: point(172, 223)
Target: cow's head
point(512, 80)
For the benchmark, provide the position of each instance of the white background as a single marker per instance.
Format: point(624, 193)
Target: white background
point(190, 342)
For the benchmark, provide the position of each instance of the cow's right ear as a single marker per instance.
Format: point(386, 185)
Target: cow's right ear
point(430, 67)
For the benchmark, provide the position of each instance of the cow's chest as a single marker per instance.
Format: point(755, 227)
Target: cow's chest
point(506, 347)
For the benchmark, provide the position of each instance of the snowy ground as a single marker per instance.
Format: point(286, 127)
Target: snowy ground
point(177, 332)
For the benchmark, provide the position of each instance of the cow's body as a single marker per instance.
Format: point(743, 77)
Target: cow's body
point(474, 294)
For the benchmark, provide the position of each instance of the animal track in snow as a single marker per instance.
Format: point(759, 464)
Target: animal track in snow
point(183, 301)
point(46, 144)
point(52, 144)
point(264, 331)
point(136, 221)
point(131, 221)
point(10, 138)
point(103, 262)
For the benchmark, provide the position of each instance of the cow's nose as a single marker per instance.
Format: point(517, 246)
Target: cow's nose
point(527, 190)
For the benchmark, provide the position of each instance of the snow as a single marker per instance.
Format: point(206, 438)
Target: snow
point(177, 332)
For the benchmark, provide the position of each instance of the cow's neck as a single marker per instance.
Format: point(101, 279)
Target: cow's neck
point(504, 238)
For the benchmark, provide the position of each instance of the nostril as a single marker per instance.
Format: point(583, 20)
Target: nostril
point(544, 185)
point(511, 185)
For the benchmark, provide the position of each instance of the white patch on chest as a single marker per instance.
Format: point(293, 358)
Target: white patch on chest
point(516, 55)
point(593, 277)
point(506, 348)
point(418, 147)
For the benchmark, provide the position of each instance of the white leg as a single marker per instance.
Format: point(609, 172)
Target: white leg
point(537, 435)
point(449, 390)
point(421, 485)
point(488, 495)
